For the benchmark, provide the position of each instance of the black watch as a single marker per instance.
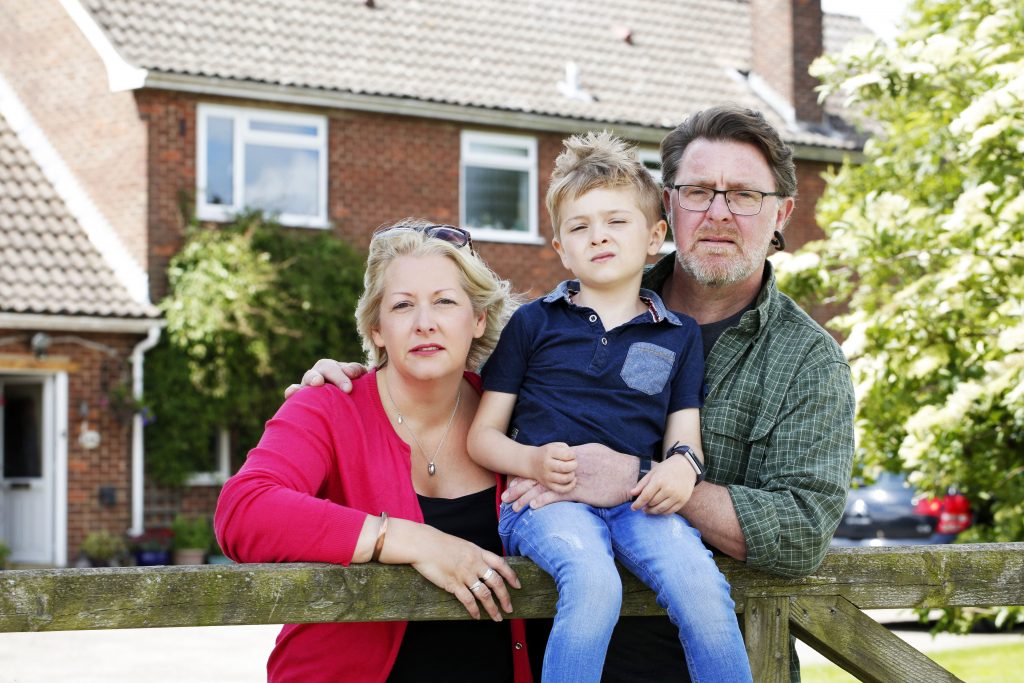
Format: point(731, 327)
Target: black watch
point(645, 466)
point(687, 452)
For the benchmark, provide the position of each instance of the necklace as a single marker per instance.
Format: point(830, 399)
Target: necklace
point(431, 467)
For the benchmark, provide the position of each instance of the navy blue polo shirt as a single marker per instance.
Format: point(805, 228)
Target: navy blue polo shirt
point(579, 383)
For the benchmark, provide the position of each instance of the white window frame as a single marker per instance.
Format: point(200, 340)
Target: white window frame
point(495, 161)
point(223, 459)
point(645, 155)
point(242, 117)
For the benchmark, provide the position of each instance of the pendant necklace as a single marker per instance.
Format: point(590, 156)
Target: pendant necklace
point(431, 467)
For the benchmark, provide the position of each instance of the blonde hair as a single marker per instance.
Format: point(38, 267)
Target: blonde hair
point(487, 292)
point(595, 160)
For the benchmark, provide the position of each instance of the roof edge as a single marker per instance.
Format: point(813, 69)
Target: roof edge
point(77, 323)
point(290, 94)
point(120, 74)
point(81, 207)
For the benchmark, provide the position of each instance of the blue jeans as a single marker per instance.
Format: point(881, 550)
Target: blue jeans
point(578, 544)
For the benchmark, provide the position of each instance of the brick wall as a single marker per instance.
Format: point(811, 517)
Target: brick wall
point(63, 83)
point(381, 168)
point(786, 38)
point(109, 464)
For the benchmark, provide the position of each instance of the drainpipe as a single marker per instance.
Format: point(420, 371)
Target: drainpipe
point(138, 449)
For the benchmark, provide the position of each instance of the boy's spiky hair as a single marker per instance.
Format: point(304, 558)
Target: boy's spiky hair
point(596, 160)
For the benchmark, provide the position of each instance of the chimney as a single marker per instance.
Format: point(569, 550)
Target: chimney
point(786, 38)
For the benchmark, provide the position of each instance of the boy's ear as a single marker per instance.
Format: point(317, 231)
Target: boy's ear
point(557, 246)
point(658, 232)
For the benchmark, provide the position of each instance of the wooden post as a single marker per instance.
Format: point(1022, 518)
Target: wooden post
point(766, 632)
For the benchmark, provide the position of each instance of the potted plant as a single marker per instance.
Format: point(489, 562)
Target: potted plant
point(217, 555)
point(192, 538)
point(103, 548)
point(152, 547)
point(5, 552)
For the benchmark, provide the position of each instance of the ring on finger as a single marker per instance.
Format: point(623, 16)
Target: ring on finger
point(487, 575)
point(478, 584)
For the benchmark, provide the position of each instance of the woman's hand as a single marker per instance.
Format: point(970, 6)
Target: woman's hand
point(468, 572)
point(329, 371)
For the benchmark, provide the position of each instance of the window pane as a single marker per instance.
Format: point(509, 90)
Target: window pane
point(270, 127)
point(282, 180)
point(23, 430)
point(499, 149)
point(220, 148)
point(497, 199)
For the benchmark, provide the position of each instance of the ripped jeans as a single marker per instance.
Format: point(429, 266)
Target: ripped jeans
point(578, 544)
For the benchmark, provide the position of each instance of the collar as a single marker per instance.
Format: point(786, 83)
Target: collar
point(754, 320)
point(569, 288)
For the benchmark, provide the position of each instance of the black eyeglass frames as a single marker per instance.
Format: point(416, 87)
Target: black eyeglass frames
point(740, 202)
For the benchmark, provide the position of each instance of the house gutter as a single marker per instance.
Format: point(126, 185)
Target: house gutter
point(138, 446)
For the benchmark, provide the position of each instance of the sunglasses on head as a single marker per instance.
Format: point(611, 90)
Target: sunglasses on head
point(446, 233)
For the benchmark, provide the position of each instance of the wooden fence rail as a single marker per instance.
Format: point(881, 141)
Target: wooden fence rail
point(823, 609)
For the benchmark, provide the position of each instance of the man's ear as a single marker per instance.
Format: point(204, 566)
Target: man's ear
point(784, 212)
point(658, 232)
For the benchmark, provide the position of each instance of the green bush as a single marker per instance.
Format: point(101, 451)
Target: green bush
point(251, 306)
point(5, 552)
point(192, 533)
point(103, 545)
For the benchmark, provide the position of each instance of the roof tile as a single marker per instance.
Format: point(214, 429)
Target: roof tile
point(47, 263)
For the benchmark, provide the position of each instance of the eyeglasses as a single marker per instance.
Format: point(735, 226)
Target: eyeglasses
point(740, 202)
point(457, 237)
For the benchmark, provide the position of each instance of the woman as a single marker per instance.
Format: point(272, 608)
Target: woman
point(383, 475)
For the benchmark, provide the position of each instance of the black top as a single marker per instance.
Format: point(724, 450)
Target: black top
point(456, 651)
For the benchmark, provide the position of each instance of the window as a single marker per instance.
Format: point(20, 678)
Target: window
point(257, 159)
point(219, 461)
point(498, 181)
point(651, 159)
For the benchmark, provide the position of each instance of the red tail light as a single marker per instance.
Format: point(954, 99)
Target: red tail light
point(930, 507)
point(955, 515)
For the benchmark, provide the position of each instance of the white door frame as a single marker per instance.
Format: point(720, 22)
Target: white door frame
point(54, 453)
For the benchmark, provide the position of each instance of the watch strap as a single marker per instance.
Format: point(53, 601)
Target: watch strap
point(645, 466)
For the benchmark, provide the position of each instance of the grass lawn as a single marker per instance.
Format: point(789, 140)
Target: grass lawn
point(988, 664)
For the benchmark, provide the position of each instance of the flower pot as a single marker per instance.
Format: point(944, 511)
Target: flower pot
point(190, 556)
point(152, 558)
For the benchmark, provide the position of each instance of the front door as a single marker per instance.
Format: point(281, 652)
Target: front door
point(27, 468)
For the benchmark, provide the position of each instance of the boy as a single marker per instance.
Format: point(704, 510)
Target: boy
point(600, 360)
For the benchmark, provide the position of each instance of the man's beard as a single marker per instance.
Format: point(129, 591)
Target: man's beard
point(716, 271)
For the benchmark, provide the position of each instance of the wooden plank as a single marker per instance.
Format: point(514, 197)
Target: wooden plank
point(905, 576)
point(133, 597)
point(858, 644)
point(18, 361)
point(766, 632)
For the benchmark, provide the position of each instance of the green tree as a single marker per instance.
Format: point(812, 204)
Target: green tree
point(251, 305)
point(925, 241)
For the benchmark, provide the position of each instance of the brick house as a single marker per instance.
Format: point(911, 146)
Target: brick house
point(342, 115)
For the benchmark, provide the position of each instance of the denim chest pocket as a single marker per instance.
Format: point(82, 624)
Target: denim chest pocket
point(647, 367)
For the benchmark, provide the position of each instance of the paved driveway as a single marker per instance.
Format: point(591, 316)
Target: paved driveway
point(230, 654)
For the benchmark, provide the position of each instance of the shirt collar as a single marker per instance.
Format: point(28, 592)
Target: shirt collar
point(567, 288)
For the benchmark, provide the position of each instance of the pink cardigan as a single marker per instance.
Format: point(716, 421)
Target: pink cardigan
point(327, 460)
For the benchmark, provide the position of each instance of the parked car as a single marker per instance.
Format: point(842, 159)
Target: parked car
point(891, 512)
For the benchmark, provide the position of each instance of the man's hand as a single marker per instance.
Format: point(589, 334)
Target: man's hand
point(555, 467)
point(332, 371)
point(666, 488)
point(603, 479)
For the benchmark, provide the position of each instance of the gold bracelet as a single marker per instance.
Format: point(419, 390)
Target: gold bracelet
point(379, 545)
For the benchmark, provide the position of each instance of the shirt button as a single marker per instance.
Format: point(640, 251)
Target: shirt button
point(604, 341)
point(519, 646)
point(593, 318)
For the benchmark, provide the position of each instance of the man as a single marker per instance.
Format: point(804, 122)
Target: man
point(777, 421)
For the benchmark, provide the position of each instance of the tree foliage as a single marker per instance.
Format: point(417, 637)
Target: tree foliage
point(925, 240)
point(251, 306)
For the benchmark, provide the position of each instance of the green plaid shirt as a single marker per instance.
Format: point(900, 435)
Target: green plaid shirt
point(777, 429)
